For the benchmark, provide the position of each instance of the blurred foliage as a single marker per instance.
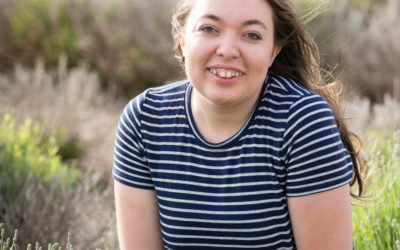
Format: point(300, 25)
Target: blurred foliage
point(46, 25)
point(25, 151)
point(305, 6)
point(370, 48)
point(128, 42)
point(70, 105)
point(368, 5)
point(318, 16)
point(70, 147)
point(6, 243)
point(45, 198)
point(376, 225)
point(358, 41)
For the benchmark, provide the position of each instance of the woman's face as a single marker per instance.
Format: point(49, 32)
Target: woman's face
point(228, 47)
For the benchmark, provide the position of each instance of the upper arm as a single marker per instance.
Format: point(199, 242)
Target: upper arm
point(137, 218)
point(319, 169)
point(322, 220)
point(135, 198)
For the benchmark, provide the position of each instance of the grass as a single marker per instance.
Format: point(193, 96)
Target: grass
point(377, 225)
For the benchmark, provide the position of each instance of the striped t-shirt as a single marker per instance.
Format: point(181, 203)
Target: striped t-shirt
point(233, 194)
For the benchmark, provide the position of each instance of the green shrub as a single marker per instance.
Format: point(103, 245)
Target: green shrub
point(25, 151)
point(70, 147)
point(69, 104)
point(130, 44)
point(45, 198)
point(46, 25)
point(127, 42)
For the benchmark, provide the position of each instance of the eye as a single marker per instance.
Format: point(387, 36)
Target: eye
point(207, 29)
point(253, 36)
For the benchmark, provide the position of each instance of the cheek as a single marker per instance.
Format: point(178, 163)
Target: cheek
point(269, 59)
point(196, 56)
point(186, 49)
point(262, 62)
point(186, 44)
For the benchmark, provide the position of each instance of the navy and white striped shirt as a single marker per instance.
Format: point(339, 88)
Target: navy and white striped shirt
point(233, 194)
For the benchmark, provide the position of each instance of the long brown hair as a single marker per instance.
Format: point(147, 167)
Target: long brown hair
point(298, 60)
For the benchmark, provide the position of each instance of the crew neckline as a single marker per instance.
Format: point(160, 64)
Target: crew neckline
point(233, 139)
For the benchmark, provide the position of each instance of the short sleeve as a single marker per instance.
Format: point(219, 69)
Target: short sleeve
point(130, 162)
point(315, 157)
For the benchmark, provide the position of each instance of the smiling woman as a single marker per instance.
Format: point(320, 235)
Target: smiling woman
point(222, 39)
point(245, 153)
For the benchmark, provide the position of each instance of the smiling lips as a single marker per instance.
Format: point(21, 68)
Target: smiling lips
point(225, 73)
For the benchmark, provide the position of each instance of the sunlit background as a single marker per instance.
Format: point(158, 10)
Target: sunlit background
point(67, 68)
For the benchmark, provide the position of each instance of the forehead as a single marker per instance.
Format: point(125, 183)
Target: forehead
point(232, 11)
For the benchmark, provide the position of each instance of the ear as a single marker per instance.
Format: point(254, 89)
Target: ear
point(275, 52)
point(181, 38)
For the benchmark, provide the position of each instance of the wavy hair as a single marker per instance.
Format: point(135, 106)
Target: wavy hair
point(298, 60)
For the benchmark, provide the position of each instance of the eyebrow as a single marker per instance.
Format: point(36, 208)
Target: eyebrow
point(245, 23)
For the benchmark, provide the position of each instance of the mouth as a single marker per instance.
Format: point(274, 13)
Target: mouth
point(225, 73)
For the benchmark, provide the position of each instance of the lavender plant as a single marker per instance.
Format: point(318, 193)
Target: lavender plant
point(5, 242)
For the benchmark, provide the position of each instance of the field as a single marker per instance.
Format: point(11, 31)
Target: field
point(64, 79)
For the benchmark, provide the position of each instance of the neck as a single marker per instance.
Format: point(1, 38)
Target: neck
point(219, 122)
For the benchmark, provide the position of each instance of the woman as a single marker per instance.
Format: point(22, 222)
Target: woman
point(244, 154)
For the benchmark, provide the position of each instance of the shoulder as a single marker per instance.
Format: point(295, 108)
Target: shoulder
point(307, 117)
point(286, 90)
point(289, 96)
point(288, 86)
point(158, 96)
point(299, 107)
point(166, 92)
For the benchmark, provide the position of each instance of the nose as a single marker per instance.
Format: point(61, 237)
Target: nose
point(228, 46)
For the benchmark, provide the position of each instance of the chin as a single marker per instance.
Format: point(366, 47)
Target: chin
point(223, 100)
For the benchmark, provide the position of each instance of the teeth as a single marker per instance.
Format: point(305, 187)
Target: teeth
point(225, 74)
